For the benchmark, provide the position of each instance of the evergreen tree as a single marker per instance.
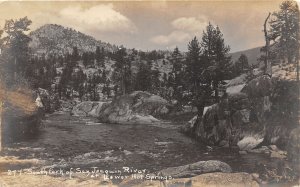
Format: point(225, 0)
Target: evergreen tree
point(88, 59)
point(216, 56)
point(177, 75)
point(75, 54)
point(67, 82)
point(106, 86)
point(79, 79)
point(122, 74)
point(154, 78)
point(100, 56)
point(284, 31)
point(194, 69)
point(242, 64)
point(143, 77)
point(15, 50)
point(85, 59)
point(93, 82)
point(198, 84)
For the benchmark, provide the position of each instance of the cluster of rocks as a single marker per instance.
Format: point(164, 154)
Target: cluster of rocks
point(89, 108)
point(253, 113)
point(136, 108)
point(203, 173)
point(272, 151)
point(238, 119)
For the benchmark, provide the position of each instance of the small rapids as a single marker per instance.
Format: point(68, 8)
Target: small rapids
point(67, 141)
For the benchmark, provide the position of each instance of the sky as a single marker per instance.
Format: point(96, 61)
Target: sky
point(149, 25)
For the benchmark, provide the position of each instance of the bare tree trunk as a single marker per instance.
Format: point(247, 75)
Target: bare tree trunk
point(268, 65)
point(298, 48)
point(297, 61)
point(216, 93)
point(123, 81)
point(1, 113)
point(15, 70)
point(2, 99)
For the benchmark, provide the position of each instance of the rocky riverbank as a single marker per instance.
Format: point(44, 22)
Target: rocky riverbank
point(257, 110)
point(22, 114)
point(136, 108)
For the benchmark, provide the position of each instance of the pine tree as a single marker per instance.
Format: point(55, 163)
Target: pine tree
point(284, 31)
point(75, 54)
point(80, 80)
point(85, 59)
point(100, 57)
point(176, 75)
point(15, 48)
point(143, 77)
point(241, 65)
point(216, 56)
point(194, 68)
point(122, 73)
point(198, 84)
point(106, 84)
point(155, 81)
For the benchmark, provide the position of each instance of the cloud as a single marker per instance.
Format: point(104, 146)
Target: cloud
point(173, 37)
point(101, 17)
point(190, 23)
point(184, 29)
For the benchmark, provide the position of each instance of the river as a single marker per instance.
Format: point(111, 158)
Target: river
point(69, 141)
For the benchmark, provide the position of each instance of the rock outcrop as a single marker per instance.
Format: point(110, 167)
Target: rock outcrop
point(239, 117)
point(197, 168)
point(260, 111)
point(89, 108)
point(22, 114)
point(284, 112)
point(135, 108)
point(205, 180)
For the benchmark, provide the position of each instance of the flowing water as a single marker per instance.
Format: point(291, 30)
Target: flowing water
point(69, 141)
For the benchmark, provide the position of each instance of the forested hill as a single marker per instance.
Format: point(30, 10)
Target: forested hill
point(56, 39)
point(252, 55)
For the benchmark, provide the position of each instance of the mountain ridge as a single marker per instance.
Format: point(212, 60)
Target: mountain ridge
point(252, 54)
point(57, 39)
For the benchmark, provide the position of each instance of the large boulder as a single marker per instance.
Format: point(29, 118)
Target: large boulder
point(83, 108)
point(229, 122)
point(89, 108)
point(137, 107)
point(239, 118)
point(206, 180)
point(238, 101)
point(256, 110)
point(258, 87)
point(197, 168)
point(22, 114)
point(249, 142)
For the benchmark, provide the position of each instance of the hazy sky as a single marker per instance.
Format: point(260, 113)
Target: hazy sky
point(150, 25)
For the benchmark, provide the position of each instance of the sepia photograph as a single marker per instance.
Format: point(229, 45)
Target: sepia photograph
point(160, 93)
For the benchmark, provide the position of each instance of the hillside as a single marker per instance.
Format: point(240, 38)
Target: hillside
point(252, 54)
point(56, 39)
